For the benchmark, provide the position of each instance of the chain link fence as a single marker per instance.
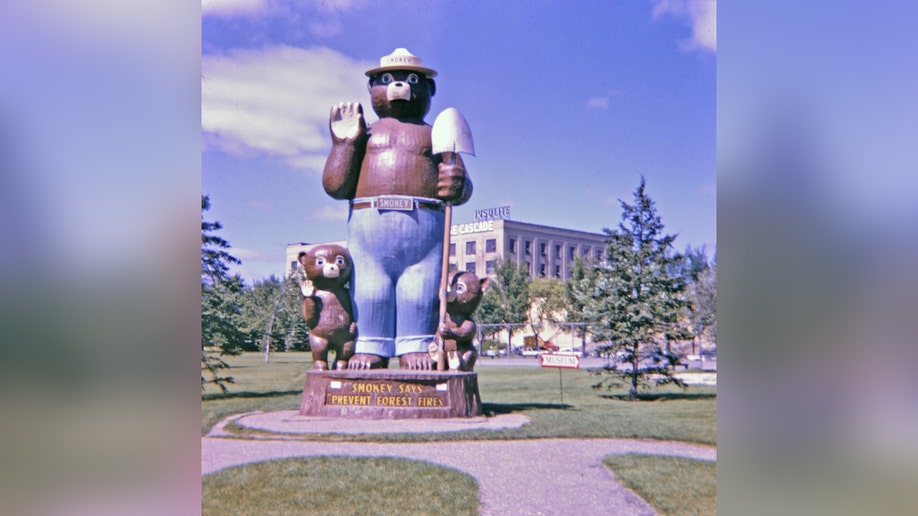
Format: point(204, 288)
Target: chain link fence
point(528, 340)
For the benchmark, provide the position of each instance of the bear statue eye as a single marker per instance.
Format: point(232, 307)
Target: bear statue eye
point(339, 261)
point(413, 78)
point(320, 262)
point(386, 78)
point(461, 288)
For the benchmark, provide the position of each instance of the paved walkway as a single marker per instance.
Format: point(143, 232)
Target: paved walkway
point(535, 476)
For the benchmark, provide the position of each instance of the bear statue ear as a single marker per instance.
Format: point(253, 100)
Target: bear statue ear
point(370, 85)
point(433, 87)
point(485, 283)
point(300, 256)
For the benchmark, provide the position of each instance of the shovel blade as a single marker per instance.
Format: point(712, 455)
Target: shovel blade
point(451, 133)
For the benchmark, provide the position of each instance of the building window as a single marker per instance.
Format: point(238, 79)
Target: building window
point(453, 266)
point(558, 251)
point(512, 245)
point(599, 255)
point(470, 267)
point(489, 267)
point(543, 249)
point(542, 269)
point(528, 268)
point(491, 245)
point(558, 271)
point(293, 265)
point(452, 249)
point(571, 251)
point(526, 248)
point(470, 247)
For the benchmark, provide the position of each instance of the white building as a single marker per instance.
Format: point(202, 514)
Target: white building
point(477, 246)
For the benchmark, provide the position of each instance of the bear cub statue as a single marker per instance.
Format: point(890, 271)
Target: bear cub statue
point(464, 296)
point(327, 304)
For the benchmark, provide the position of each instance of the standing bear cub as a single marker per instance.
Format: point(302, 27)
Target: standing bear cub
point(327, 307)
point(458, 331)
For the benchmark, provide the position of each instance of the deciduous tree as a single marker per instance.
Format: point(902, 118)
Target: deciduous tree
point(548, 304)
point(507, 300)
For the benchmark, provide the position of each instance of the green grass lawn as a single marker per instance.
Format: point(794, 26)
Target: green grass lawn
point(672, 485)
point(339, 486)
point(666, 414)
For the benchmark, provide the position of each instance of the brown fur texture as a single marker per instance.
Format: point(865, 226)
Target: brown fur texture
point(327, 304)
point(392, 157)
point(458, 332)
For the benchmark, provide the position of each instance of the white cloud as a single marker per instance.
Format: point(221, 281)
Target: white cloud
point(244, 254)
point(701, 15)
point(276, 100)
point(598, 103)
point(338, 6)
point(232, 7)
point(326, 29)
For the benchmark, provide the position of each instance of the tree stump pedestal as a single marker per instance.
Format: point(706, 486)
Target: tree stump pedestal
point(391, 394)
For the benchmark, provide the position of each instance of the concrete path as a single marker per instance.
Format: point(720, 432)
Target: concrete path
point(540, 476)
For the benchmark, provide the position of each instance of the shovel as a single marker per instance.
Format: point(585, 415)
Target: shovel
point(450, 133)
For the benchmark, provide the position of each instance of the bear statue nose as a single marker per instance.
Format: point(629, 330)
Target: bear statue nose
point(398, 91)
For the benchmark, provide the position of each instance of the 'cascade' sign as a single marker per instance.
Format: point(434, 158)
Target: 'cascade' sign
point(474, 227)
point(500, 212)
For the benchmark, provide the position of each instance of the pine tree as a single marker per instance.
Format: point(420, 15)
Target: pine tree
point(633, 300)
point(215, 258)
point(219, 302)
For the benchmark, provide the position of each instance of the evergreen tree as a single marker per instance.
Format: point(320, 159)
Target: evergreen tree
point(633, 300)
point(580, 274)
point(215, 258)
point(219, 302)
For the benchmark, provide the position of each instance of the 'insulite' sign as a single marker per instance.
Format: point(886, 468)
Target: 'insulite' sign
point(562, 360)
point(501, 212)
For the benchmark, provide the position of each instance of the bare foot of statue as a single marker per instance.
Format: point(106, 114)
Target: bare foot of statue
point(367, 361)
point(416, 362)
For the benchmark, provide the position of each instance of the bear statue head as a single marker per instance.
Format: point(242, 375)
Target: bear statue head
point(401, 94)
point(465, 293)
point(327, 266)
point(401, 87)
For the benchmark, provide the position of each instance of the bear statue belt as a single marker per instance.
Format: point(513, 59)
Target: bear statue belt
point(397, 203)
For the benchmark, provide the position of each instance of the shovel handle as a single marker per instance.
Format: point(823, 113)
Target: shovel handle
point(444, 283)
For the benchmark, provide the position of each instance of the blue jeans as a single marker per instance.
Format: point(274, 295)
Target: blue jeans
point(397, 266)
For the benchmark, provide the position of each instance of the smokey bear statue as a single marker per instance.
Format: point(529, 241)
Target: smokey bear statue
point(327, 304)
point(397, 190)
point(458, 331)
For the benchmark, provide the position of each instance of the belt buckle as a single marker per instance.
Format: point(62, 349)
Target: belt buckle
point(395, 203)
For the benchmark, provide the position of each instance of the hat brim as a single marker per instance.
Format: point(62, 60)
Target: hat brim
point(430, 74)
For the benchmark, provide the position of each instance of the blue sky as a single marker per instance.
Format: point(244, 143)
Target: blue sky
point(569, 104)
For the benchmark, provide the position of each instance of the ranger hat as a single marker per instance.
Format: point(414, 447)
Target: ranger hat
point(401, 59)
